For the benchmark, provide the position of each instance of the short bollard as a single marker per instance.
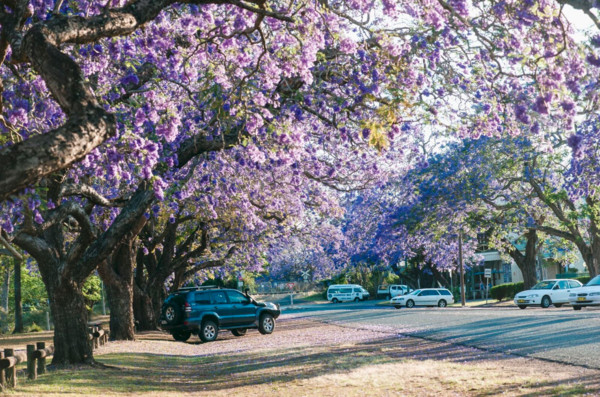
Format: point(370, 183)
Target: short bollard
point(11, 372)
point(2, 378)
point(41, 362)
point(31, 368)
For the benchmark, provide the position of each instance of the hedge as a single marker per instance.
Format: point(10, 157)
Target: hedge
point(583, 279)
point(509, 290)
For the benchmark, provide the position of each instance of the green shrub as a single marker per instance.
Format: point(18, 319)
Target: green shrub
point(583, 279)
point(34, 317)
point(506, 291)
point(34, 328)
point(6, 322)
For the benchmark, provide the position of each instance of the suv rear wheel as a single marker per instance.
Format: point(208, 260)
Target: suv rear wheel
point(181, 336)
point(266, 325)
point(239, 331)
point(208, 331)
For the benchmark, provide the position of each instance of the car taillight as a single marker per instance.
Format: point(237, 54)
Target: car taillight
point(188, 307)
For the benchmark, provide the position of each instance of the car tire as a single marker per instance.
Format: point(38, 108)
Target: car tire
point(577, 307)
point(546, 302)
point(558, 304)
point(172, 313)
point(410, 303)
point(181, 336)
point(334, 300)
point(239, 331)
point(266, 324)
point(357, 299)
point(208, 331)
point(522, 306)
point(442, 303)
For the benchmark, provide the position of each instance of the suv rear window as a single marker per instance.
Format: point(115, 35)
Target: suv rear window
point(444, 292)
point(202, 298)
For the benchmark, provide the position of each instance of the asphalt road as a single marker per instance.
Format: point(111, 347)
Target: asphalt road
point(562, 335)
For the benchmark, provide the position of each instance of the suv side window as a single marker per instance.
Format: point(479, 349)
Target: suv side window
point(444, 292)
point(202, 298)
point(236, 297)
point(218, 297)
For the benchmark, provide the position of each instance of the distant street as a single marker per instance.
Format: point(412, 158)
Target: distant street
point(562, 335)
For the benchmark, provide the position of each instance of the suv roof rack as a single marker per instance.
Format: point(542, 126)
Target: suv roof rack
point(183, 289)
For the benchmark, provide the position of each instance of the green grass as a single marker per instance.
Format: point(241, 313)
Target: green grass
point(314, 297)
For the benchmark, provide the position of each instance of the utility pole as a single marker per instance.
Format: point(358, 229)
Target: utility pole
point(461, 270)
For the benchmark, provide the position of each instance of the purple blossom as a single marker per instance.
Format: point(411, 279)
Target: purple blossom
point(37, 217)
point(521, 114)
point(593, 60)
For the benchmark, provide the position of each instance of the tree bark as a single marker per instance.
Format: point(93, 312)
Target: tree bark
point(71, 344)
point(18, 301)
point(143, 308)
point(120, 301)
point(526, 262)
point(117, 274)
point(5, 289)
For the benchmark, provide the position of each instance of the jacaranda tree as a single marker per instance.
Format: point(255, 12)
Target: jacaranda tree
point(109, 107)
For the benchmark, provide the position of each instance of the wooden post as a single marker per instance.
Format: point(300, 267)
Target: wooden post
point(96, 342)
point(2, 378)
point(41, 362)
point(91, 337)
point(462, 270)
point(11, 373)
point(31, 368)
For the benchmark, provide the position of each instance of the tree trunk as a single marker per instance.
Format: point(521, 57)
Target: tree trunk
point(5, 290)
point(529, 274)
point(120, 301)
point(71, 344)
point(18, 302)
point(117, 274)
point(588, 257)
point(526, 262)
point(143, 309)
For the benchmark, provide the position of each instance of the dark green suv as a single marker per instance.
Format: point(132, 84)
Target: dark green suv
point(204, 311)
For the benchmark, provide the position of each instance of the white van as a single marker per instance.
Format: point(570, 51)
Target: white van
point(389, 291)
point(346, 292)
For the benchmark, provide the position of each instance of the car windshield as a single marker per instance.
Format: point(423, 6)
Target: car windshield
point(544, 285)
point(594, 281)
point(415, 292)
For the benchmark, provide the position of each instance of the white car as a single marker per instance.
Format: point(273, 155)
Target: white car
point(440, 297)
point(548, 292)
point(588, 295)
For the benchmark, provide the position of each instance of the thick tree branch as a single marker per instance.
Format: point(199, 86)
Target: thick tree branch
point(88, 124)
point(209, 264)
point(89, 193)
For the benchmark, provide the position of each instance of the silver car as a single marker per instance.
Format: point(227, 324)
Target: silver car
point(588, 295)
